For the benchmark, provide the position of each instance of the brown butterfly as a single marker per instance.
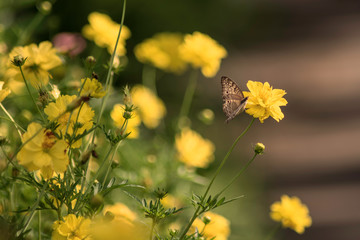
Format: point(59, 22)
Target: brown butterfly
point(234, 101)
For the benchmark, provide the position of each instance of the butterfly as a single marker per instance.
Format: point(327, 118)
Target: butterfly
point(234, 101)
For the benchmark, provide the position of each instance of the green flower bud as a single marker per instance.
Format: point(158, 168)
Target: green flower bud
point(18, 60)
point(96, 201)
point(90, 62)
point(206, 220)
point(259, 148)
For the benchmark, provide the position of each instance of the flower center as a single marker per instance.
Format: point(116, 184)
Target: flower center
point(49, 141)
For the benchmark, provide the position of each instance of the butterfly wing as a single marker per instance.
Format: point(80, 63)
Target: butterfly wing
point(233, 98)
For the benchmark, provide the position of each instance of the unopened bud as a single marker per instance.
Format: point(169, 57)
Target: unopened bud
point(90, 62)
point(109, 216)
point(259, 148)
point(18, 60)
point(206, 220)
point(127, 96)
point(206, 116)
point(45, 7)
point(127, 115)
point(96, 201)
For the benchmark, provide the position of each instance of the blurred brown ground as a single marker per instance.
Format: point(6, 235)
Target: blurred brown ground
point(314, 152)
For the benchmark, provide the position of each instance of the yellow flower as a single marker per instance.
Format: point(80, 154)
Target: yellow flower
point(151, 108)
point(264, 101)
point(71, 228)
point(3, 92)
point(39, 60)
point(193, 150)
point(133, 123)
point(92, 88)
point(219, 227)
point(120, 210)
point(170, 201)
point(103, 31)
point(44, 151)
point(83, 119)
point(124, 225)
point(291, 213)
point(162, 51)
point(201, 51)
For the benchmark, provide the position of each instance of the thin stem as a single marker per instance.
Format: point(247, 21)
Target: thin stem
point(149, 77)
point(30, 28)
point(32, 97)
point(17, 126)
point(273, 232)
point(39, 222)
point(239, 173)
point(152, 229)
point(110, 162)
point(195, 215)
point(33, 208)
point(112, 62)
point(189, 94)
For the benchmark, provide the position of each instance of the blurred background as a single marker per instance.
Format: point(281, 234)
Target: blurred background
point(311, 49)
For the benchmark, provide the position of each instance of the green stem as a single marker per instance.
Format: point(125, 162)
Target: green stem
point(149, 77)
point(17, 126)
point(273, 232)
point(239, 173)
point(111, 63)
point(195, 215)
point(33, 208)
point(152, 229)
point(23, 38)
point(189, 94)
point(32, 97)
point(110, 163)
point(39, 221)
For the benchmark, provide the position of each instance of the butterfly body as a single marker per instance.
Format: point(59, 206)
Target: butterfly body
point(234, 101)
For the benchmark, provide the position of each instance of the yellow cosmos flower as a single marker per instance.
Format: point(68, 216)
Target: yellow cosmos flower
point(291, 213)
point(193, 150)
point(120, 210)
point(264, 101)
point(218, 228)
point(92, 88)
point(84, 119)
point(3, 92)
point(71, 228)
point(124, 225)
point(39, 60)
point(133, 123)
point(151, 108)
point(201, 51)
point(103, 31)
point(44, 151)
point(162, 51)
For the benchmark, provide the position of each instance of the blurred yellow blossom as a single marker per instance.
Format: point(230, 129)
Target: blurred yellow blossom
point(170, 201)
point(120, 210)
point(201, 51)
point(3, 92)
point(292, 213)
point(162, 51)
point(71, 228)
point(84, 119)
point(264, 101)
point(218, 228)
point(104, 31)
point(133, 123)
point(151, 108)
point(39, 60)
point(193, 150)
point(92, 88)
point(123, 225)
point(44, 151)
